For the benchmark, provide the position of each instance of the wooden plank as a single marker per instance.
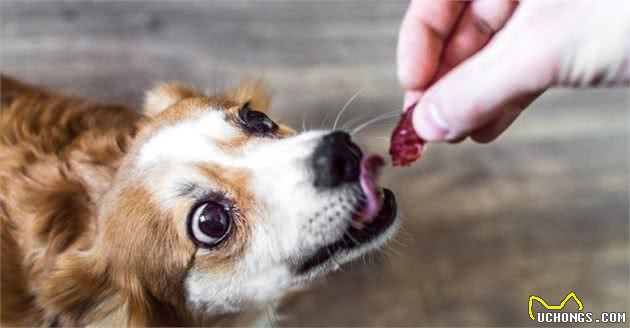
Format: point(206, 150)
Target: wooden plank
point(543, 210)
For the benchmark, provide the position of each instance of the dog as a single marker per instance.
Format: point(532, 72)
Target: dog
point(199, 210)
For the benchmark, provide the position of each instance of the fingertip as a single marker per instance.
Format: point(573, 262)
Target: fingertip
point(429, 123)
point(468, 97)
point(417, 56)
point(410, 98)
point(423, 31)
point(410, 78)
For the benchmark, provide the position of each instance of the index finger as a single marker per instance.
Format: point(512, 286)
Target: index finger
point(423, 32)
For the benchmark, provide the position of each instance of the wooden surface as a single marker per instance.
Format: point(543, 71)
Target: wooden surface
point(544, 210)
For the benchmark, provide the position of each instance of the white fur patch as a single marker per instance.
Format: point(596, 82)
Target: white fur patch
point(286, 226)
point(213, 293)
point(191, 140)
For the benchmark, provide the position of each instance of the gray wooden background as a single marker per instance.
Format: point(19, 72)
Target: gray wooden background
point(544, 210)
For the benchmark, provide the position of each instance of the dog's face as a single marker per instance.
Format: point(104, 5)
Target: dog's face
point(222, 206)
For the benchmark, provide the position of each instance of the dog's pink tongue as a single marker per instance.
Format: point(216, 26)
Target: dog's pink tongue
point(370, 171)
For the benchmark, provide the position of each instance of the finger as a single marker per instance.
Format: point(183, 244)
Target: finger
point(423, 31)
point(471, 95)
point(458, 140)
point(479, 22)
point(493, 129)
point(411, 97)
point(511, 111)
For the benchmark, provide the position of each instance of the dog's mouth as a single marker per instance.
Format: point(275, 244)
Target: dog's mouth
point(375, 212)
point(372, 200)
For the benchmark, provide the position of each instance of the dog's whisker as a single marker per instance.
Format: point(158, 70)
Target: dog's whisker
point(347, 126)
point(332, 258)
point(382, 117)
point(384, 253)
point(271, 318)
point(392, 249)
point(351, 238)
point(404, 234)
point(345, 106)
point(304, 121)
point(395, 240)
point(370, 258)
point(322, 121)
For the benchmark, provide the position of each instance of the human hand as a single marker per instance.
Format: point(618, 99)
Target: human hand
point(474, 66)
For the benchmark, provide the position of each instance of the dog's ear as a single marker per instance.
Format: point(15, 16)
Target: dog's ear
point(76, 280)
point(163, 95)
point(253, 91)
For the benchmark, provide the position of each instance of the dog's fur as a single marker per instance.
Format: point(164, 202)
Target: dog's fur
point(92, 200)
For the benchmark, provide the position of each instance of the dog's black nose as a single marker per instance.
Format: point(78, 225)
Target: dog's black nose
point(336, 160)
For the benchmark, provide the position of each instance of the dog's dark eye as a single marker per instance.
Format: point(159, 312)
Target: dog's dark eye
point(209, 224)
point(256, 122)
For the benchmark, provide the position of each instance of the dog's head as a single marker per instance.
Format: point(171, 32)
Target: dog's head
point(221, 209)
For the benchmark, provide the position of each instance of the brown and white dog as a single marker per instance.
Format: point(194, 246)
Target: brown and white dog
point(199, 211)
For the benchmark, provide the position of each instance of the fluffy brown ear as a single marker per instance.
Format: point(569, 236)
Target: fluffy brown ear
point(163, 95)
point(253, 91)
point(82, 288)
point(78, 287)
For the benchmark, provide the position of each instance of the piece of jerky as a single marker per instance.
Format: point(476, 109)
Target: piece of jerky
point(406, 146)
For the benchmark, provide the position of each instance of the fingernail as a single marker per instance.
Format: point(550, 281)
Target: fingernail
point(429, 122)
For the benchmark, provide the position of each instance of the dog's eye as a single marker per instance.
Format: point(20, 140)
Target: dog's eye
point(209, 224)
point(256, 122)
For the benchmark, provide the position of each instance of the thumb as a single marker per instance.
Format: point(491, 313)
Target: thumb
point(478, 91)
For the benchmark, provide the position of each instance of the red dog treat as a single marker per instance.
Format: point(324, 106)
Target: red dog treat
point(406, 146)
